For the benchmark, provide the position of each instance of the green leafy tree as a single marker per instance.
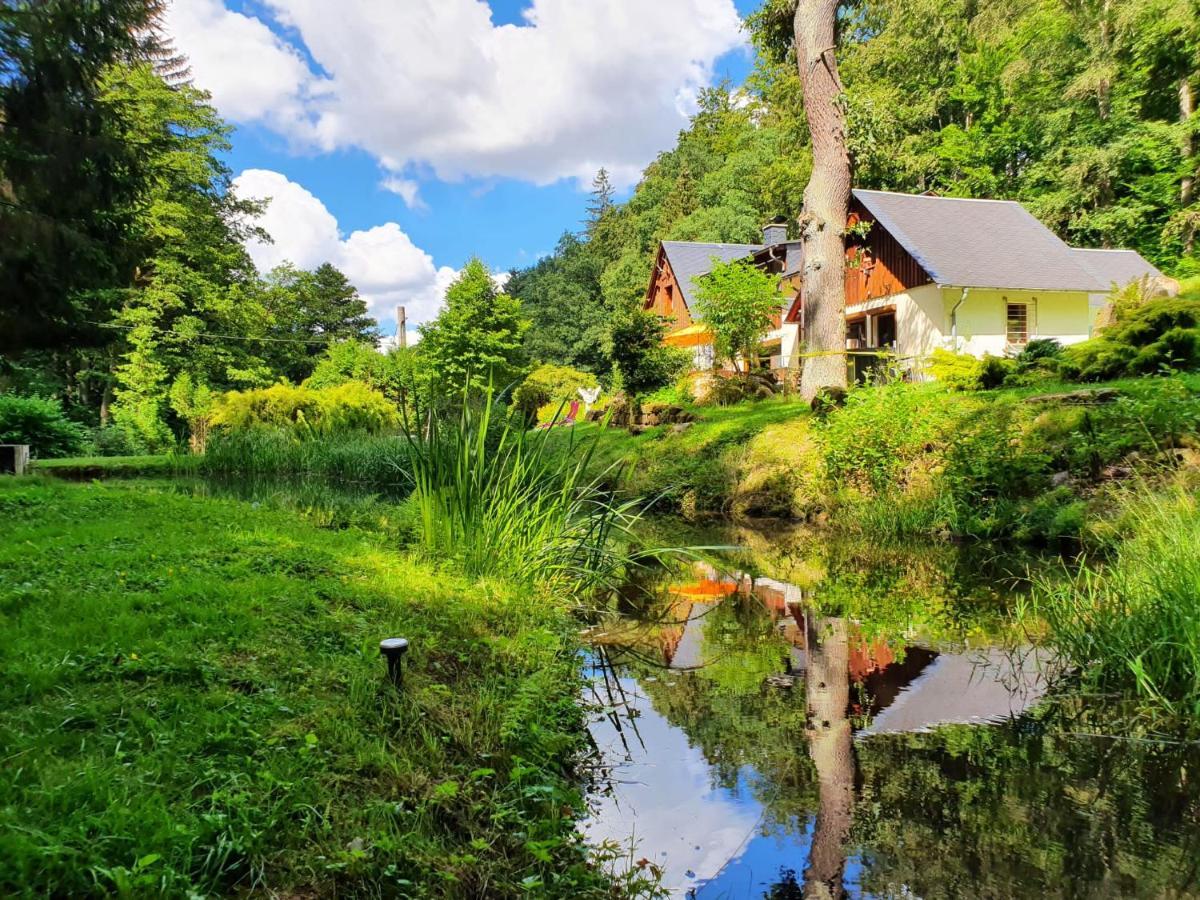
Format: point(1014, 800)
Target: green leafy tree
point(194, 403)
point(564, 301)
point(640, 360)
point(737, 302)
point(479, 332)
point(399, 374)
point(193, 304)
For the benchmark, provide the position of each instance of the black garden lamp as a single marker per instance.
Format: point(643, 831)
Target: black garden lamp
point(393, 650)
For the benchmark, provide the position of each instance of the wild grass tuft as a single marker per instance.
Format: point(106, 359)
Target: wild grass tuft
point(1134, 623)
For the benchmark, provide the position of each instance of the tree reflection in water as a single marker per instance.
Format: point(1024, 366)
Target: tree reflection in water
point(831, 747)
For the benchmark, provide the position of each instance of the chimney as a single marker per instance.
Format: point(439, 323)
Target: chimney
point(775, 231)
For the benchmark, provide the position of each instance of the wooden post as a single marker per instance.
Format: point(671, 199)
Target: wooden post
point(14, 459)
point(401, 327)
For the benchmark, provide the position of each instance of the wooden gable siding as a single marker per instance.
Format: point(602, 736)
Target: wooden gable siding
point(664, 297)
point(877, 266)
point(767, 261)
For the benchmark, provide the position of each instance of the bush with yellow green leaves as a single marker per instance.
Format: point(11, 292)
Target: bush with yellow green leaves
point(307, 412)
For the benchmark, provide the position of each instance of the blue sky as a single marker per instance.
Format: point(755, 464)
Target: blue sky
point(398, 139)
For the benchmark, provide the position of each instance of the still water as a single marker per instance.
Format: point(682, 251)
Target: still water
point(807, 718)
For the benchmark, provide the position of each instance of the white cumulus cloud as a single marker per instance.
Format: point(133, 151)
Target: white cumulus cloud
point(382, 262)
point(436, 85)
point(252, 74)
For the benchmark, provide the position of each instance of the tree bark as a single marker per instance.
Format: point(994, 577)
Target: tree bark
point(831, 747)
point(826, 200)
point(105, 402)
point(1187, 185)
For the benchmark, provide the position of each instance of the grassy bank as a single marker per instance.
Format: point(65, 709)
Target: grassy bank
point(79, 467)
point(911, 459)
point(1132, 624)
point(193, 702)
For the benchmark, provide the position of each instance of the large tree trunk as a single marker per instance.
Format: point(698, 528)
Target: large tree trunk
point(826, 200)
point(831, 747)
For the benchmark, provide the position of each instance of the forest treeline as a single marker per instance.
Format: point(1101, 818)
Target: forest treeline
point(1083, 110)
point(128, 294)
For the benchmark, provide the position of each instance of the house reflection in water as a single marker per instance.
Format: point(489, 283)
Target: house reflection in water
point(878, 670)
point(707, 833)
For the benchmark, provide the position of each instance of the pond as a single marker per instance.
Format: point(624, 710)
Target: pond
point(807, 717)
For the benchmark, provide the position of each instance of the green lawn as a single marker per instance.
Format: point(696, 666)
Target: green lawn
point(193, 703)
point(714, 427)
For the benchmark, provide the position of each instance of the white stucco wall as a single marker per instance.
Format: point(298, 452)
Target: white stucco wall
point(919, 318)
point(1065, 316)
point(923, 320)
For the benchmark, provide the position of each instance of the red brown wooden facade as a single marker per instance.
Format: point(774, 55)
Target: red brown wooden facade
point(664, 297)
point(876, 265)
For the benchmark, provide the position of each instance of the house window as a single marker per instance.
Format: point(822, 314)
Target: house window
point(1018, 323)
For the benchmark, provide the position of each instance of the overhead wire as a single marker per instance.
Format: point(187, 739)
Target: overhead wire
point(209, 334)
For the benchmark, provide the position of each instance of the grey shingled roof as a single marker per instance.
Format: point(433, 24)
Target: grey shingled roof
point(689, 260)
point(1117, 267)
point(979, 243)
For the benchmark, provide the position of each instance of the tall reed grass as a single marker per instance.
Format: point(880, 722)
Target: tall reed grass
point(352, 457)
point(489, 496)
point(1133, 623)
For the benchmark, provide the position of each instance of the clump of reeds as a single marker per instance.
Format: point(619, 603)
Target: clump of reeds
point(489, 496)
point(349, 457)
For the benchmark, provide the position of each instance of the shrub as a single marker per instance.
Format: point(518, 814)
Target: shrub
point(109, 440)
point(678, 394)
point(550, 385)
point(729, 390)
point(1161, 335)
point(963, 372)
point(41, 424)
point(993, 370)
point(957, 371)
point(641, 362)
point(307, 412)
point(1037, 350)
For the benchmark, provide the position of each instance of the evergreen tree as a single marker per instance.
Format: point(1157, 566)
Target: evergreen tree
point(313, 310)
point(71, 185)
point(600, 201)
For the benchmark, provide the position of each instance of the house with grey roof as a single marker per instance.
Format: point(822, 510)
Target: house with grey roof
point(922, 272)
point(973, 276)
